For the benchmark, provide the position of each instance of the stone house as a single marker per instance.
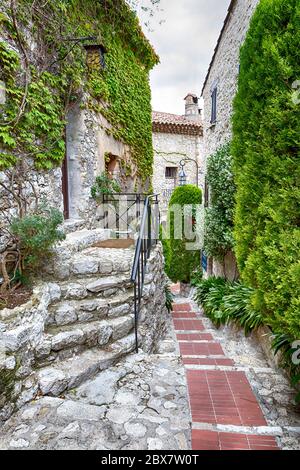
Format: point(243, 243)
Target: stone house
point(95, 136)
point(176, 139)
point(94, 100)
point(219, 90)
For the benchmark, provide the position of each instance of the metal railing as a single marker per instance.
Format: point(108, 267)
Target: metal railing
point(148, 238)
point(127, 207)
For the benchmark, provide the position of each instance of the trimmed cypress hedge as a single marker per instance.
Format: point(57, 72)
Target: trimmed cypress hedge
point(266, 153)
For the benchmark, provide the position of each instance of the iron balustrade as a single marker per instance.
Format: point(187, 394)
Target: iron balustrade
point(139, 214)
point(128, 211)
point(148, 238)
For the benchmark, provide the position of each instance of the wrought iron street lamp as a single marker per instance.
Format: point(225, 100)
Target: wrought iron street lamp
point(182, 174)
point(95, 58)
point(95, 51)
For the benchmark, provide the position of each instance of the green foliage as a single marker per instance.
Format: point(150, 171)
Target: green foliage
point(238, 307)
point(204, 287)
point(121, 92)
point(266, 143)
point(219, 216)
point(36, 235)
point(166, 247)
point(169, 299)
point(104, 186)
point(283, 344)
point(39, 130)
point(214, 304)
point(209, 295)
point(182, 261)
point(197, 276)
point(226, 302)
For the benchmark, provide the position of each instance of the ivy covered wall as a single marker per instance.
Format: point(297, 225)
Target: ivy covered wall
point(266, 151)
point(45, 73)
point(218, 239)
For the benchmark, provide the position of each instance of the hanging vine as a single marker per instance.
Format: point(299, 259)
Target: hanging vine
point(45, 74)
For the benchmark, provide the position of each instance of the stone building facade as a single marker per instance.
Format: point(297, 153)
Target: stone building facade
point(81, 316)
point(219, 90)
point(91, 150)
point(177, 139)
point(90, 145)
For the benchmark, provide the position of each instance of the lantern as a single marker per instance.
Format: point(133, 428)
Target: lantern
point(182, 177)
point(95, 56)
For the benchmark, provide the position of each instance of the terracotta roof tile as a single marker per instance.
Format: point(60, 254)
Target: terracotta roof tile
point(174, 123)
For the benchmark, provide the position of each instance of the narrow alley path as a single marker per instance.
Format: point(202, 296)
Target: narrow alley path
point(226, 413)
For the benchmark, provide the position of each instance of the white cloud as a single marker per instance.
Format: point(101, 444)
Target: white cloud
point(185, 44)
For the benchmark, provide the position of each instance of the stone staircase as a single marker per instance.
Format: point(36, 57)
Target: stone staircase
point(91, 323)
point(80, 320)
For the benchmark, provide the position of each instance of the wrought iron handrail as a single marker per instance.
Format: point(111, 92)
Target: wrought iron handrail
point(133, 200)
point(144, 245)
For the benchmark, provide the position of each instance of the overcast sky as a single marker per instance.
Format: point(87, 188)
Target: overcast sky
point(185, 44)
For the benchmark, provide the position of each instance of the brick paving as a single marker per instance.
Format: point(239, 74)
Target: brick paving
point(188, 325)
point(195, 337)
point(217, 397)
point(212, 440)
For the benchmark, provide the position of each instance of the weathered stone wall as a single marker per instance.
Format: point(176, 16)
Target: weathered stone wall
point(224, 75)
point(154, 315)
point(169, 150)
point(27, 187)
point(88, 143)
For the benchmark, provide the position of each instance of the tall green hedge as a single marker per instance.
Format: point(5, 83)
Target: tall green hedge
point(266, 151)
point(182, 262)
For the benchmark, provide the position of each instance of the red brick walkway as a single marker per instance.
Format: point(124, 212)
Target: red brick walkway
point(218, 397)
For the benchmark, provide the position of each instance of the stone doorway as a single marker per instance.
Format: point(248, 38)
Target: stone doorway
point(112, 166)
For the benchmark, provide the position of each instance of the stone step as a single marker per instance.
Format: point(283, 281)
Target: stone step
point(82, 239)
point(73, 225)
point(98, 333)
point(94, 287)
point(103, 261)
point(89, 310)
point(71, 373)
point(58, 266)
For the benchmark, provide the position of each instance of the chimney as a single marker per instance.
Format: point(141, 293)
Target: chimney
point(192, 110)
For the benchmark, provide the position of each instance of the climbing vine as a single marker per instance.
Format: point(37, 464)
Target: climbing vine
point(41, 86)
point(219, 216)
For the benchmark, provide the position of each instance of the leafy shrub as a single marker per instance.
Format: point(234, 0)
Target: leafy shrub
point(36, 235)
point(182, 261)
point(169, 299)
point(226, 302)
point(238, 307)
point(219, 216)
point(214, 304)
point(284, 344)
point(205, 286)
point(266, 151)
point(104, 186)
point(197, 276)
point(166, 247)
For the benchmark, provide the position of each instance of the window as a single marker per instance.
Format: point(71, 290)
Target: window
point(214, 106)
point(206, 193)
point(171, 172)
